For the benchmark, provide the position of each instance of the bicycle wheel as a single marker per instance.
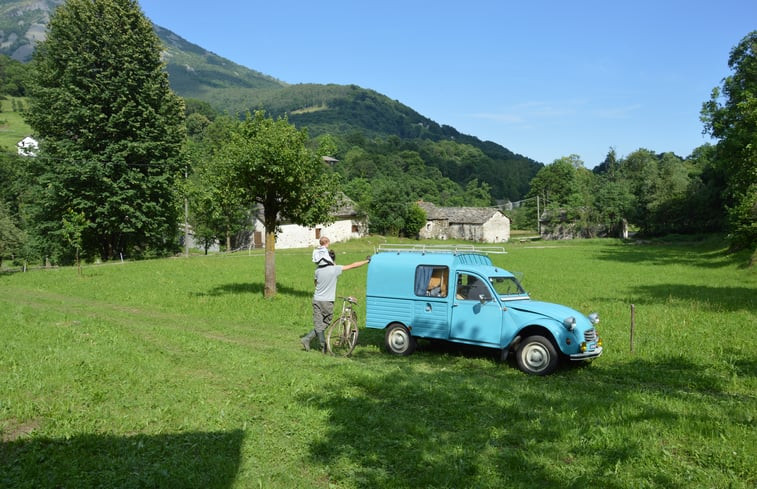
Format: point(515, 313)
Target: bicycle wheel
point(341, 337)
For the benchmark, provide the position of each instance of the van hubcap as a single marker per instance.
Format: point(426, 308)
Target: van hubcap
point(535, 356)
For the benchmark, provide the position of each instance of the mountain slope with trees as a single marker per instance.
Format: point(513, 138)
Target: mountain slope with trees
point(352, 114)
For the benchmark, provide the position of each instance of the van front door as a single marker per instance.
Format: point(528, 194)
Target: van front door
point(475, 321)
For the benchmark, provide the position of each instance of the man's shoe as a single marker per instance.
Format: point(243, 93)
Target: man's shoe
point(305, 344)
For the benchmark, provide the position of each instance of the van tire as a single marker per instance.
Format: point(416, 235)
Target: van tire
point(536, 355)
point(398, 340)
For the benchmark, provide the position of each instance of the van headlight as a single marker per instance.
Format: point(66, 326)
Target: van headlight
point(594, 318)
point(570, 323)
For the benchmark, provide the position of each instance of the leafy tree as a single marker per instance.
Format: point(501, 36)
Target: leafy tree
point(555, 184)
point(415, 219)
point(111, 132)
point(388, 208)
point(218, 203)
point(731, 117)
point(74, 224)
point(274, 167)
point(13, 77)
point(12, 238)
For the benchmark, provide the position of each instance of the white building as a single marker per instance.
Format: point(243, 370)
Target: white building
point(27, 146)
point(346, 226)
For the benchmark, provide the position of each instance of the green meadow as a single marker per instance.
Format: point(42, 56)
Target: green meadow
point(13, 127)
point(177, 373)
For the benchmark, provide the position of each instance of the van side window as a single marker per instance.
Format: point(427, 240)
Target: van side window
point(471, 288)
point(431, 281)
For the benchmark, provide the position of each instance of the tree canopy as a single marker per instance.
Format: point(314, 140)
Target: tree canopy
point(731, 117)
point(111, 132)
point(274, 167)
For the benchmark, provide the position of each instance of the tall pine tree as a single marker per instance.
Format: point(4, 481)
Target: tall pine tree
point(111, 132)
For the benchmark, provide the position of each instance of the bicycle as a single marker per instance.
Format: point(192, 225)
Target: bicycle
point(341, 335)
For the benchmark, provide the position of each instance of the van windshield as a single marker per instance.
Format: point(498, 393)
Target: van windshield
point(507, 287)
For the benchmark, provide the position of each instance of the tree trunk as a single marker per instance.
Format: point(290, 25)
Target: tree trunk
point(270, 264)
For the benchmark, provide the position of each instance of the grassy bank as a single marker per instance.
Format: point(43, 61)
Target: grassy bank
point(178, 373)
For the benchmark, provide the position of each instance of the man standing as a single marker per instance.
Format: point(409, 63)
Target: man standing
point(326, 276)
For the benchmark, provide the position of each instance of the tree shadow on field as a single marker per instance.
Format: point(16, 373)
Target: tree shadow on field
point(430, 425)
point(727, 298)
point(705, 256)
point(251, 288)
point(190, 460)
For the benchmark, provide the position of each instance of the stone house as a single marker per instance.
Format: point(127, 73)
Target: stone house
point(480, 224)
point(347, 225)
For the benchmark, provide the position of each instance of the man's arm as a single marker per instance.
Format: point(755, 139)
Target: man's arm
point(355, 264)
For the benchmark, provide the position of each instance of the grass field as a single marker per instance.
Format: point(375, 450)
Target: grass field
point(13, 127)
point(178, 373)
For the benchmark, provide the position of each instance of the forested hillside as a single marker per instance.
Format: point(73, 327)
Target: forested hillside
point(346, 112)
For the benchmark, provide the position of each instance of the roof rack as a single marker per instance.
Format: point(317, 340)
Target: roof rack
point(456, 249)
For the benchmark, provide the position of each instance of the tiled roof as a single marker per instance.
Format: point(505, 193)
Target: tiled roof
point(458, 215)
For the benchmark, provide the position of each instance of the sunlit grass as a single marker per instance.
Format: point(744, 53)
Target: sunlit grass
point(178, 373)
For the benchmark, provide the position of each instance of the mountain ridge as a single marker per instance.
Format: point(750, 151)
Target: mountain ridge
point(231, 88)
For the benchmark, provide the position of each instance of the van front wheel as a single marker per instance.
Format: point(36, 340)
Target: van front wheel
point(399, 340)
point(536, 355)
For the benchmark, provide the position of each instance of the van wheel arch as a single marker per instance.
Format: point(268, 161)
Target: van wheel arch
point(398, 340)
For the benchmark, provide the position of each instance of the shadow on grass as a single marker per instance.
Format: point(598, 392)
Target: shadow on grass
point(727, 298)
point(252, 288)
point(191, 460)
point(711, 254)
point(425, 425)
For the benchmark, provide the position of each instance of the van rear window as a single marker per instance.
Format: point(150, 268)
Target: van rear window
point(431, 281)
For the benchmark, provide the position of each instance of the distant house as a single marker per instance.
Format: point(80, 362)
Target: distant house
point(481, 224)
point(346, 225)
point(27, 146)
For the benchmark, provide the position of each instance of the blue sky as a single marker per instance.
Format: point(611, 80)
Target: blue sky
point(545, 79)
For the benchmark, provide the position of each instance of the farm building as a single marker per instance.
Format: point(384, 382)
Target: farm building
point(346, 225)
point(27, 146)
point(482, 224)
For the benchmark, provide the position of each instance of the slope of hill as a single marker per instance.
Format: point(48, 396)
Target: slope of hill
point(197, 73)
point(341, 110)
point(23, 24)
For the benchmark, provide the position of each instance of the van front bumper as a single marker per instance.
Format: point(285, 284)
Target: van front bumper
point(587, 355)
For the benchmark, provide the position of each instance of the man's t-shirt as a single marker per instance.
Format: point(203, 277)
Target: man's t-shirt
point(325, 283)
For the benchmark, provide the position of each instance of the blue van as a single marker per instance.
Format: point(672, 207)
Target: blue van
point(455, 293)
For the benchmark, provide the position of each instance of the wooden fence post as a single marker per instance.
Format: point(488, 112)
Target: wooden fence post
point(633, 324)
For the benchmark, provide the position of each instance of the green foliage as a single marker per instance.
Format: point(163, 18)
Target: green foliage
point(178, 373)
point(731, 116)
point(13, 77)
point(272, 165)
point(218, 204)
point(74, 224)
point(111, 129)
point(12, 239)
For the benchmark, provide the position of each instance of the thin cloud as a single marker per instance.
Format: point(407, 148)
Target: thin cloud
point(531, 111)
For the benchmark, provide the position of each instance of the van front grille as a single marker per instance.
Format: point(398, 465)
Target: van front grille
point(590, 336)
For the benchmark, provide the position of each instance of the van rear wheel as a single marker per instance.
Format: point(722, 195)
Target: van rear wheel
point(536, 355)
point(399, 340)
